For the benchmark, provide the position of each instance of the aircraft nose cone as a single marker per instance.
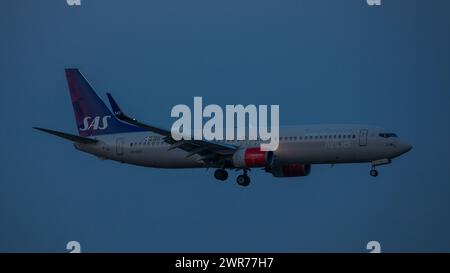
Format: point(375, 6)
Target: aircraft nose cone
point(405, 147)
point(408, 147)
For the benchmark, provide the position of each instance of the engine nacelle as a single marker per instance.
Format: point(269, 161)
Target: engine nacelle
point(289, 170)
point(252, 158)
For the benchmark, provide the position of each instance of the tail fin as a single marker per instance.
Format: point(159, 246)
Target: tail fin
point(91, 114)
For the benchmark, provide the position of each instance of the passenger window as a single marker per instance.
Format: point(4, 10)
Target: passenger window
point(387, 135)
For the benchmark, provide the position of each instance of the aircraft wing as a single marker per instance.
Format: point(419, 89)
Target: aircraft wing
point(210, 151)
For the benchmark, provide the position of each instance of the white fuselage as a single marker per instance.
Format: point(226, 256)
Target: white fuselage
point(314, 144)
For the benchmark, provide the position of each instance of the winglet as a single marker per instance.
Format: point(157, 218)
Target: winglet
point(115, 107)
point(117, 111)
point(123, 117)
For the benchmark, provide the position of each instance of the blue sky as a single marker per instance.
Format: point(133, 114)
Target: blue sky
point(321, 61)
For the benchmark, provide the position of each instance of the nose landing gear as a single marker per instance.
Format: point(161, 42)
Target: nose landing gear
point(373, 172)
point(384, 161)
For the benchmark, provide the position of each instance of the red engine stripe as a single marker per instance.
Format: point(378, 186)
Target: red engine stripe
point(294, 170)
point(254, 157)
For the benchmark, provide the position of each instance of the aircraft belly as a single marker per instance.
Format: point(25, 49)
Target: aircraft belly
point(162, 158)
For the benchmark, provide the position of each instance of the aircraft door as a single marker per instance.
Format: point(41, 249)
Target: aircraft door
point(119, 146)
point(363, 137)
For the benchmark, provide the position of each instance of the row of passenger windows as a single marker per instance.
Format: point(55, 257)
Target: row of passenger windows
point(294, 138)
point(286, 138)
point(146, 143)
point(290, 138)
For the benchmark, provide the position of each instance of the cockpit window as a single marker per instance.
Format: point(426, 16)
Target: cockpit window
point(387, 135)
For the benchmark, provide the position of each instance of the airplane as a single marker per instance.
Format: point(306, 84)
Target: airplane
point(116, 136)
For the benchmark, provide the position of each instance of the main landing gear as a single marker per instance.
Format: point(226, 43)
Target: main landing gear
point(221, 174)
point(243, 179)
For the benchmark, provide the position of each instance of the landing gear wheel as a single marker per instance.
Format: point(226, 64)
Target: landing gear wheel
point(243, 180)
point(374, 173)
point(221, 174)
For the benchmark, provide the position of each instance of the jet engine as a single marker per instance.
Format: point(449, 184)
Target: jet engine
point(252, 157)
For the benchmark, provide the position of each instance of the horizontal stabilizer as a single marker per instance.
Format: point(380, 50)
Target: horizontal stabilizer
point(70, 137)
